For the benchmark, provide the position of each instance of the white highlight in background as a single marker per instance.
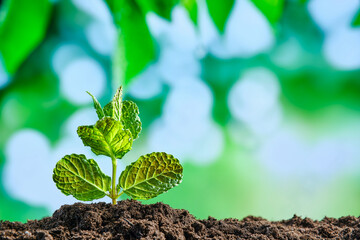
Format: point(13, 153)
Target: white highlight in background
point(64, 54)
point(79, 76)
point(330, 14)
point(253, 100)
point(147, 84)
point(342, 48)
point(247, 33)
point(186, 129)
point(28, 170)
point(102, 37)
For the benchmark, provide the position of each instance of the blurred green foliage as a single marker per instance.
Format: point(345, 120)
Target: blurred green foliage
point(23, 25)
point(356, 20)
point(160, 7)
point(192, 8)
point(219, 11)
point(272, 9)
point(136, 47)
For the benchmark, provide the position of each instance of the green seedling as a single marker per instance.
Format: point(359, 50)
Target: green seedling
point(112, 135)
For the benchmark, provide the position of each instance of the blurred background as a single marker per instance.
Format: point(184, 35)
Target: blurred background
point(259, 99)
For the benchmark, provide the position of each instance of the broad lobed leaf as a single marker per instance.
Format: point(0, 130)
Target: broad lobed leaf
point(107, 137)
point(151, 175)
point(75, 175)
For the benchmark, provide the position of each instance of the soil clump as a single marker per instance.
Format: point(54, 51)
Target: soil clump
point(130, 219)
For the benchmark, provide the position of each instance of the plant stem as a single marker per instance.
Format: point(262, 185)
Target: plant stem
point(119, 195)
point(113, 179)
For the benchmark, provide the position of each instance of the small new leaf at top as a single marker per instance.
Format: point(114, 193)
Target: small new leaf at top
point(126, 112)
point(129, 113)
point(113, 108)
point(97, 106)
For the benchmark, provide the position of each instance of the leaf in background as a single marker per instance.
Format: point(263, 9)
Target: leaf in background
point(136, 48)
point(192, 9)
point(151, 175)
point(162, 8)
point(356, 20)
point(75, 175)
point(23, 25)
point(97, 106)
point(107, 137)
point(219, 11)
point(272, 9)
point(130, 118)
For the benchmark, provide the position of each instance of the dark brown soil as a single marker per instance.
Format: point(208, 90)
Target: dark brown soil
point(132, 220)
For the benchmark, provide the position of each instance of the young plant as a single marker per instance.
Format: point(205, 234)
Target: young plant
point(112, 135)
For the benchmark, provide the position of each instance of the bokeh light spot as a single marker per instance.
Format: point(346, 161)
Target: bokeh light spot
point(64, 54)
point(147, 84)
point(102, 37)
point(79, 76)
point(247, 33)
point(26, 149)
point(253, 95)
point(330, 14)
point(342, 48)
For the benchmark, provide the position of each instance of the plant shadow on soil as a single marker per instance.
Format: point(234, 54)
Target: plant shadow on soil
point(130, 219)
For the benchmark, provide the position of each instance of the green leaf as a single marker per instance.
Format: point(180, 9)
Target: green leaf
point(192, 9)
point(135, 48)
point(219, 11)
point(151, 175)
point(130, 118)
point(113, 108)
point(272, 9)
point(129, 114)
point(356, 20)
point(116, 104)
point(97, 106)
point(75, 175)
point(23, 26)
point(108, 110)
point(107, 137)
point(162, 8)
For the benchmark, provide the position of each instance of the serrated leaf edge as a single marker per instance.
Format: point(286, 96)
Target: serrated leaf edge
point(116, 103)
point(147, 179)
point(85, 180)
point(97, 106)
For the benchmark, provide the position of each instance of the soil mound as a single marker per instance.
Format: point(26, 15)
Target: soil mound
point(130, 219)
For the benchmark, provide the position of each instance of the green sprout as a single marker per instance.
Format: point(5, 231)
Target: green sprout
point(112, 135)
